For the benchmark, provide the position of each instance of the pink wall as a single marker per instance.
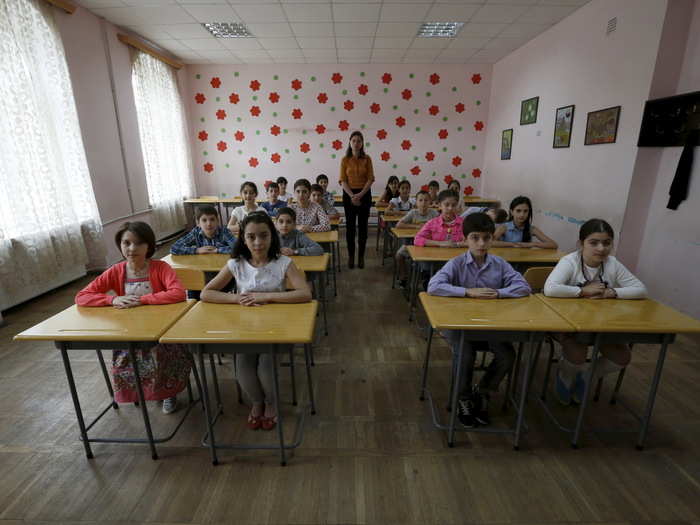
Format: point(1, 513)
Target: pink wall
point(574, 62)
point(442, 131)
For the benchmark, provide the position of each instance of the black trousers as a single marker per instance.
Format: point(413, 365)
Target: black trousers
point(356, 219)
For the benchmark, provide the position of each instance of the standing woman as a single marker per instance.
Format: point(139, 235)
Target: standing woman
point(356, 178)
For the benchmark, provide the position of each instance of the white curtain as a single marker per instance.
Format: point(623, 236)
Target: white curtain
point(49, 222)
point(164, 140)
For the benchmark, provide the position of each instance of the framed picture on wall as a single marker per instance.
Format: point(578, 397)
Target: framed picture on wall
point(563, 121)
point(528, 110)
point(601, 126)
point(506, 143)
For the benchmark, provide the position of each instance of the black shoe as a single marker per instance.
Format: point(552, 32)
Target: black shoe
point(361, 262)
point(403, 283)
point(351, 263)
point(465, 413)
point(481, 406)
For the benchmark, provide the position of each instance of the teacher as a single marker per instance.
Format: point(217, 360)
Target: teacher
point(356, 178)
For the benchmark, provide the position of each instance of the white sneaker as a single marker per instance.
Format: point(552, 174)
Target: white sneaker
point(169, 405)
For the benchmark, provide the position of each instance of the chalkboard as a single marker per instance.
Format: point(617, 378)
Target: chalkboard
point(668, 121)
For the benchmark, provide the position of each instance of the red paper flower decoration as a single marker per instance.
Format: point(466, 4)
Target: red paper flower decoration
point(320, 129)
point(385, 156)
point(337, 78)
point(430, 156)
point(208, 167)
point(386, 78)
point(255, 111)
point(400, 122)
point(239, 136)
point(297, 113)
point(434, 79)
point(322, 98)
point(254, 85)
point(348, 105)
point(221, 145)
point(275, 158)
point(304, 147)
point(203, 135)
point(233, 98)
point(274, 97)
point(362, 89)
point(433, 110)
point(221, 114)
point(343, 125)
point(252, 162)
point(424, 187)
point(476, 78)
point(337, 144)
point(448, 179)
point(456, 161)
point(296, 84)
point(468, 190)
point(215, 82)
point(381, 134)
point(478, 125)
point(406, 145)
point(275, 130)
point(476, 173)
point(415, 170)
point(375, 108)
point(267, 183)
point(199, 98)
point(443, 134)
point(459, 108)
point(406, 94)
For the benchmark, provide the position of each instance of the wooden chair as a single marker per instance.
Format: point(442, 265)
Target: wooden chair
point(537, 276)
point(191, 279)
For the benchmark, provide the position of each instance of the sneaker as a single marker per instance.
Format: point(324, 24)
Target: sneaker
point(465, 414)
point(579, 388)
point(562, 391)
point(169, 405)
point(403, 283)
point(481, 405)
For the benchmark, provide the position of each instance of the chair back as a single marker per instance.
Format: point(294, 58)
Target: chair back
point(537, 276)
point(191, 279)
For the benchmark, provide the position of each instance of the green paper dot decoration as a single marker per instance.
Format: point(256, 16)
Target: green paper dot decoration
point(473, 148)
point(395, 108)
point(459, 128)
point(285, 131)
point(313, 79)
point(198, 76)
point(415, 158)
point(257, 132)
point(238, 119)
point(243, 175)
point(332, 108)
point(415, 111)
point(394, 166)
point(362, 73)
point(240, 152)
point(428, 93)
point(444, 149)
point(255, 97)
point(236, 74)
point(454, 88)
point(265, 149)
point(411, 75)
point(444, 119)
point(366, 144)
point(205, 153)
point(321, 145)
point(303, 132)
point(307, 160)
point(296, 97)
point(418, 128)
point(201, 119)
point(223, 130)
point(286, 150)
point(478, 102)
point(218, 99)
point(345, 92)
point(274, 113)
point(276, 77)
point(227, 165)
point(433, 174)
point(333, 155)
point(386, 90)
point(362, 126)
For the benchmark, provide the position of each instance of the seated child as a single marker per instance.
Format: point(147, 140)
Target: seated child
point(273, 204)
point(260, 272)
point(455, 186)
point(498, 215)
point(433, 190)
point(478, 275)
point(317, 197)
point(284, 196)
point(518, 231)
point(415, 218)
point(292, 241)
point(249, 193)
point(139, 280)
point(207, 237)
point(404, 202)
point(590, 272)
point(322, 180)
point(310, 216)
point(444, 231)
point(391, 191)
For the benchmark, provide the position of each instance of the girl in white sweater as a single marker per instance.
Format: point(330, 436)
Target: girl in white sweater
point(592, 273)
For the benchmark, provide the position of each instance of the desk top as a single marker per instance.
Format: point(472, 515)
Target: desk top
point(335, 221)
point(404, 233)
point(202, 200)
point(213, 262)
point(323, 237)
point(621, 316)
point(233, 323)
point(394, 216)
point(524, 314)
point(512, 255)
point(106, 323)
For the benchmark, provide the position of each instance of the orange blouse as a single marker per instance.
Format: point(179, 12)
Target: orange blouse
point(356, 172)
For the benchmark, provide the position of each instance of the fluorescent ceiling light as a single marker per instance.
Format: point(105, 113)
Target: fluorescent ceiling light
point(227, 30)
point(439, 29)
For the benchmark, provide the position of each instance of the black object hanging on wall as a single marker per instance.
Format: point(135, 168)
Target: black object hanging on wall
point(673, 121)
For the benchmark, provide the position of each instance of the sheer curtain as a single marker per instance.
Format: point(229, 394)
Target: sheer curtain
point(49, 222)
point(164, 140)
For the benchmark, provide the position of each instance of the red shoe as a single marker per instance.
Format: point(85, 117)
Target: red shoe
point(255, 422)
point(268, 423)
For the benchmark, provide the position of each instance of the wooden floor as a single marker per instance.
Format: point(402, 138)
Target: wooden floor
point(371, 454)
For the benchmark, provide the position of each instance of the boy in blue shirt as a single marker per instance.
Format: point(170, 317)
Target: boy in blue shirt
point(207, 237)
point(273, 204)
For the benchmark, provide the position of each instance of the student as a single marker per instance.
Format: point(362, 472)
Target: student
point(404, 202)
point(498, 215)
point(284, 196)
point(433, 190)
point(274, 203)
point(390, 192)
point(455, 186)
point(518, 231)
point(478, 275)
point(317, 197)
point(322, 180)
point(165, 368)
point(292, 241)
point(444, 231)
point(590, 272)
point(310, 216)
point(260, 272)
point(415, 218)
point(249, 193)
point(207, 237)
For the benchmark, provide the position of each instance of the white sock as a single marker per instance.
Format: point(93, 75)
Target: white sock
point(568, 371)
point(603, 367)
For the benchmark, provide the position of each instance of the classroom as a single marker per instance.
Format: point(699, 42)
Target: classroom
point(349, 261)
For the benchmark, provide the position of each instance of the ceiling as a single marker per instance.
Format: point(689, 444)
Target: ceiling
point(336, 31)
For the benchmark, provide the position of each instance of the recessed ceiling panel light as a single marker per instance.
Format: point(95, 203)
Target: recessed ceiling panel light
point(227, 30)
point(439, 29)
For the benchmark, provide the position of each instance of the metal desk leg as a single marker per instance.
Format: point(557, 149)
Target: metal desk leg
point(646, 418)
point(424, 380)
point(586, 392)
point(76, 401)
point(142, 401)
point(335, 249)
point(276, 393)
point(207, 407)
point(307, 351)
point(115, 405)
point(523, 393)
point(217, 392)
point(322, 292)
point(453, 401)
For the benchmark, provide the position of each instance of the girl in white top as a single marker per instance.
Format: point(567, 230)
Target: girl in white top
point(260, 272)
point(404, 202)
point(592, 273)
point(249, 194)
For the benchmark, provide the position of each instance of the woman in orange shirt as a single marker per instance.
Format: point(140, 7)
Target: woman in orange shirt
point(356, 178)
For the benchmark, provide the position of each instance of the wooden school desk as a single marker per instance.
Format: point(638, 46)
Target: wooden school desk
point(231, 328)
point(329, 239)
point(473, 200)
point(400, 236)
point(389, 219)
point(108, 328)
point(602, 321)
point(522, 320)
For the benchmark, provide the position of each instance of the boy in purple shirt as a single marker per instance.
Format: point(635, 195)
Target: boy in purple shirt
point(478, 275)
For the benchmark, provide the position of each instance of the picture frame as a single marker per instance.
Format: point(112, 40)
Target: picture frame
point(506, 143)
point(563, 122)
point(601, 126)
point(528, 110)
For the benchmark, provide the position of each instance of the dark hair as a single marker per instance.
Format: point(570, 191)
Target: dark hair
point(422, 192)
point(142, 230)
point(592, 226)
point(405, 182)
point(360, 155)
point(287, 211)
point(250, 185)
point(206, 210)
point(455, 181)
point(281, 180)
point(273, 185)
point(527, 236)
point(501, 215)
point(302, 182)
point(256, 217)
point(477, 222)
point(321, 177)
point(388, 194)
point(317, 187)
point(434, 184)
point(448, 194)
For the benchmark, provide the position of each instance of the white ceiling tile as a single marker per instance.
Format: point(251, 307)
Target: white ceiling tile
point(212, 13)
point(320, 53)
point(187, 55)
point(409, 60)
point(480, 29)
point(278, 43)
point(448, 60)
point(173, 14)
point(333, 60)
point(355, 28)
point(285, 53)
point(422, 53)
point(355, 53)
point(300, 60)
point(171, 45)
point(187, 2)
point(198, 61)
point(457, 53)
point(519, 30)
point(430, 43)
point(145, 3)
point(252, 55)
point(316, 42)
point(391, 29)
point(476, 42)
point(356, 12)
point(351, 61)
point(379, 60)
point(578, 3)
point(392, 43)
point(97, 4)
point(498, 14)
point(404, 13)
point(186, 31)
point(216, 54)
point(202, 44)
point(240, 44)
point(480, 61)
point(277, 30)
point(356, 1)
point(507, 43)
point(262, 13)
point(451, 13)
point(308, 12)
point(353, 42)
point(489, 54)
point(546, 14)
point(151, 32)
point(257, 61)
point(513, 2)
point(303, 1)
point(388, 53)
point(317, 29)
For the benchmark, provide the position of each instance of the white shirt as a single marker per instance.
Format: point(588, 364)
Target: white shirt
point(241, 212)
point(286, 197)
point(567, 275)
point(403, 205)
point(268, 278)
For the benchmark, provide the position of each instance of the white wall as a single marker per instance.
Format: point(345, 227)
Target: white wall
point(574, 62)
